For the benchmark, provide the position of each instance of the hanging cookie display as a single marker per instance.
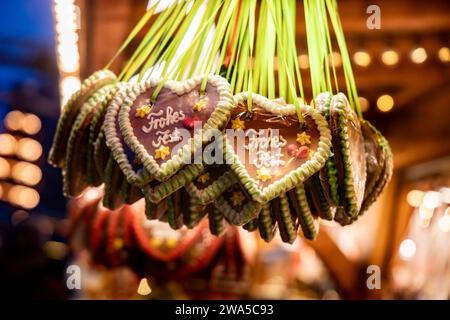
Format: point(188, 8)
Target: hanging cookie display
point(190, 148)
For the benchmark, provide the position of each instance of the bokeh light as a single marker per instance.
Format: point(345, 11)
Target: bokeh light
point(444, 54)
point(335, 59)
point(362, 58)
point(26, 173)
point(415, 198)
point(390, 57)
point(385, 103)
point(144, 288)
point(7, 144)
point(418, 55)
point(24, 197)
point(407, 249)
point(5, 168)
point(303, 61)
point(29, 149)
point(31, 124)
point(364, 104)
point(69, 85)
point(13, 120)
point(432, 199)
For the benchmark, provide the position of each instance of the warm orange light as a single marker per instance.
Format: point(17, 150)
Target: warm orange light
point(5, 168)
point(24, 197)
point(31, 124)
point(7, 144)
point(1, 191)
point(444, 54)
point(13, 120)
point(29, 149)
point(415, 198)
point(303, 61)
point(362, 58)
point(69, 85)
point(364, 104)
point(390, 57)
point(144, 288)
point(418, 55)
point(335, 59)
point(407, 249)
point(385, 103)
point(26, 173)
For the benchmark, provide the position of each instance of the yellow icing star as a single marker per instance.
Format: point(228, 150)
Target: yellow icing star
point(171, 242)
point(303, 138)
point(199, 105)
point(142, 111)
point(155, 242)
point(162, 152)
point(237, 124)
point(237, 198)
point(118, 243)
point(264, 174)
point(204, 178)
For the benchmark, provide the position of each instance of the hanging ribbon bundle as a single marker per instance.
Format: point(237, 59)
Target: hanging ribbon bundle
point(208, 118)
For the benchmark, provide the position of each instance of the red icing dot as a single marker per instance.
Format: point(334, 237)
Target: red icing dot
point(292, 149)
point(302, 152)
point(188, 123)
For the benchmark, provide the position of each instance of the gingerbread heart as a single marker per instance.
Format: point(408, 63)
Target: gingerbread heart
point(268, 151)
point(75, 164)
point(153, 129)
point(344, 175)
point(95, 167)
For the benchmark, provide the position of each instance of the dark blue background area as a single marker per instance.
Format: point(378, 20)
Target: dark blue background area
point(29, 82)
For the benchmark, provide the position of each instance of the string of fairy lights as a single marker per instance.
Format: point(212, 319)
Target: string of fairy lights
point(19, 153)
point(390, 58)
point(67, 22)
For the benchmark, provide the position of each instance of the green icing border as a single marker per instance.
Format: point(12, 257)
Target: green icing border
point(306, 220)
point(214, 190)
point(323, 102)
point(341, 104)
point(286, 221)
point(248, 212)
point(266, 225)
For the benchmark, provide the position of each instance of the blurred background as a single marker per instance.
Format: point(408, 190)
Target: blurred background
point(402, 72)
